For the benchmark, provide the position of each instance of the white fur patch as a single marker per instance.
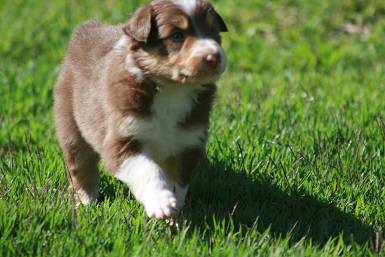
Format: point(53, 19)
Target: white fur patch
point(129, 62)
point(122, 43)
point(149, 185)
point(187, 5)
point(160, 134)
point(132, 68)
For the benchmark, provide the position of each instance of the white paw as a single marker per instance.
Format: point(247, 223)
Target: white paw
point(85, 198)
point(160, 204)
point(150, 186)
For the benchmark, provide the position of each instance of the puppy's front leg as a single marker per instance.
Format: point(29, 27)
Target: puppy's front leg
point(149, 185)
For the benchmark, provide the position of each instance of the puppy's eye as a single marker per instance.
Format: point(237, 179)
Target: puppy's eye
point(177, 37)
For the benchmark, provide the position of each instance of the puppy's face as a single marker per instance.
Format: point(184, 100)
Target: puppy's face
point(178, 41)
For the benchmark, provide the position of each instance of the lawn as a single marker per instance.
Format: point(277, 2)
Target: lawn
point(295, 160)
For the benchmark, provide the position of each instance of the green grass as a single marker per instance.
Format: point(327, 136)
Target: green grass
point(296, 156)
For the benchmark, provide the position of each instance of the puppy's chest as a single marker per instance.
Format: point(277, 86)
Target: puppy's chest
point(161, 133)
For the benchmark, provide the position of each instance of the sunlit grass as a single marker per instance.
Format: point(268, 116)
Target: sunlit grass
point(295, 160)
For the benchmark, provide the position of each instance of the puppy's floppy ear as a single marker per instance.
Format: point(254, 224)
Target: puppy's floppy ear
point(139, 26)
point(219, 21)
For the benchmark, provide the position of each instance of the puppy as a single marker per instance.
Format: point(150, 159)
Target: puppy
point(138, 97)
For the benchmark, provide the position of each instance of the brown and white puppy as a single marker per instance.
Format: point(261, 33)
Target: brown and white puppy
point(138, 96)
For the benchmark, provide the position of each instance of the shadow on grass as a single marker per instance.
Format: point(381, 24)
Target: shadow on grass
point(226, 194)
point(220, 192)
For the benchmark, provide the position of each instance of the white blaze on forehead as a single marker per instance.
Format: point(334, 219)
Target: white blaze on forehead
point(187, 5)
point(209, 46)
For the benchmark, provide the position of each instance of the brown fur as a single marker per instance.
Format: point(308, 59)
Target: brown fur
point(95, 92)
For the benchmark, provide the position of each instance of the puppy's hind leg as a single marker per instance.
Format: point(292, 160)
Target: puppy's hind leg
point(83, 172)
point(80, 159)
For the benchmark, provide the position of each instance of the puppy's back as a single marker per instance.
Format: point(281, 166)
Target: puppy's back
point(76, 92)
point(89, 43)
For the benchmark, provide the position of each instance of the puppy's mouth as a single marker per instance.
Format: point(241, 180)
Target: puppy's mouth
point(184, 76)
point(191, 79)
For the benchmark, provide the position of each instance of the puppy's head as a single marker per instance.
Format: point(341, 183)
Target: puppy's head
point(178, 41)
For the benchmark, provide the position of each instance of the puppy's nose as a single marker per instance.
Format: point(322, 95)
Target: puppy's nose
point(213, 60)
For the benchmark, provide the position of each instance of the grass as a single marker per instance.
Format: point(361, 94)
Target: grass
point(296, 156)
